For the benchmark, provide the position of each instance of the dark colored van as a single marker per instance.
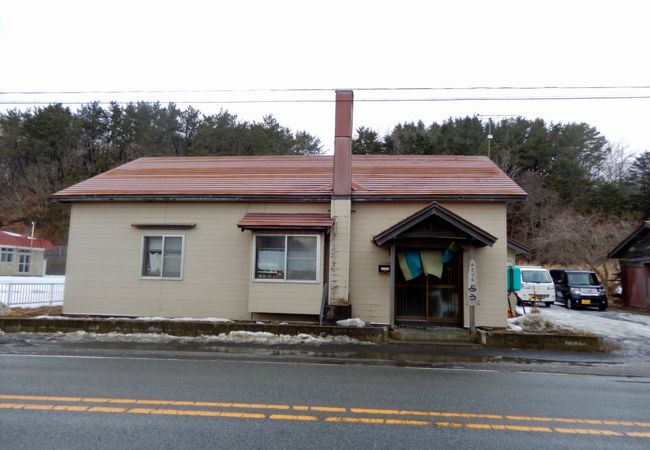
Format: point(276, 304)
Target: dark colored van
point(578, 288)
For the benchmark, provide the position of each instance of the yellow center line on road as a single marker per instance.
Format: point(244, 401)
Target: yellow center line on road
point(329, 419)
point(620, 423)
point(292, 417)
point(373, 420)
point(639, 434)
point(425, 413)
point(305, 408)
point(106, 409)
point(502, 427)
point(500, 417)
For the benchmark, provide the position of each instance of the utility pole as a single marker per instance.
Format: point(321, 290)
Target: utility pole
point(489, 136)
point(489, 119)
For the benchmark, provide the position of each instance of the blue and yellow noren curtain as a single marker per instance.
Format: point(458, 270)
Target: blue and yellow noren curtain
point(416, 262)
point(409, 262)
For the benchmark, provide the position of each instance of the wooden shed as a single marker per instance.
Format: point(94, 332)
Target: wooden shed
point(634, 256)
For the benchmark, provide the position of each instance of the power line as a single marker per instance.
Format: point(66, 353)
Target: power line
point(367, 100)
point(364, 89)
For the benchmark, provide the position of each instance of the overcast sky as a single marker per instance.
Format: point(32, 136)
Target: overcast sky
point(212, 45)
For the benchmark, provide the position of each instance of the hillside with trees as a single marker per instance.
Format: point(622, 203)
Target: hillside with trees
point(585, 193)
point(47, 149)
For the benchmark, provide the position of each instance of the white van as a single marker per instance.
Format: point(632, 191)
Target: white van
point(532, 284)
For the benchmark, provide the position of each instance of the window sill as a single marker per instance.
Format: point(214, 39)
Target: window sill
point(267, 280)
point(161, 278)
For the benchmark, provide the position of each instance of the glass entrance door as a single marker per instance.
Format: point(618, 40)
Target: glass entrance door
point(430, 298)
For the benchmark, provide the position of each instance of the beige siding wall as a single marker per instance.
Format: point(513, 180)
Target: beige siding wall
point(370, 290)
point(491, 261)
point(287, 297)
point(104, 258)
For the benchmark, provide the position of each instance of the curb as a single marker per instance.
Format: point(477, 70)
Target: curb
point(377, 334)
point(541, 341)
point(184, 328)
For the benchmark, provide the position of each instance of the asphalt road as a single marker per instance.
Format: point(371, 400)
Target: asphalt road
point(174, 400)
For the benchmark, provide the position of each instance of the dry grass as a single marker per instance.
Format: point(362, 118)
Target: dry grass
point(17, 313)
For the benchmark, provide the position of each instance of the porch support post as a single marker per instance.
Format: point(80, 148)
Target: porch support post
point(472, 296)
point(472, 320)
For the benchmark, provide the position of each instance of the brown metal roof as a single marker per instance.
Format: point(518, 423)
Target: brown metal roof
point(270, 221)
point(374, 178)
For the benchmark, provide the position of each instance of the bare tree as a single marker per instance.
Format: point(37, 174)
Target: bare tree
point(528, 220)
point(615, 168)
point(583, 241)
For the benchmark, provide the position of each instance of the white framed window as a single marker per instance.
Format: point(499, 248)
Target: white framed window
point(286, 257)
point(24, 261)
point(162, 256)
point(6, 254)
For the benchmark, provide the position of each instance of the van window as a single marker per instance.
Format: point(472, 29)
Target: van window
point(535, 276)
point(583, 278)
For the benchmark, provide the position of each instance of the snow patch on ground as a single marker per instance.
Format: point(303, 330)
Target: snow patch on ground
point(536, 322)
point(43, 279)
point(630, 330)
point(154, 319)
point(247, 337)
point(354, 322)
point(180, 319)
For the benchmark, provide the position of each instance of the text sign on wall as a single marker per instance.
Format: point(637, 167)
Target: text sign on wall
point(471, 298)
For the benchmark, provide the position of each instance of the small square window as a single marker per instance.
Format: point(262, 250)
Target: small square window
point(6, 254)
point(286, 257)
point(162, 257)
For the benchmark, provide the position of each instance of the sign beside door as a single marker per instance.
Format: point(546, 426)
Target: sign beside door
point(471, 298)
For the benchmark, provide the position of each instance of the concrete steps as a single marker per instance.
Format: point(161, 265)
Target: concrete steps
point(435, 336)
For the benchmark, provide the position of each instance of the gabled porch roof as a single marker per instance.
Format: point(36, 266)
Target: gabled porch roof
point(470, 231)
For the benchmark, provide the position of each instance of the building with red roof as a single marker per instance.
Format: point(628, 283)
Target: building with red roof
point(22, 255)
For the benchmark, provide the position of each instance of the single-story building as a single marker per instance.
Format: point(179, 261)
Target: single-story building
point(22, 255)
point(388, 239)
point(633, 254)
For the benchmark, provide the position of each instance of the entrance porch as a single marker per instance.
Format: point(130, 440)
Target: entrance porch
point(429, 252)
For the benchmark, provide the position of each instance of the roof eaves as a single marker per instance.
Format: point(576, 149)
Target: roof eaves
point(614, 254)
point(192, 198)
point(368, 197)
point(518, 246)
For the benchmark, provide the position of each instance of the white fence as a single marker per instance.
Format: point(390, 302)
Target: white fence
point(31, 294)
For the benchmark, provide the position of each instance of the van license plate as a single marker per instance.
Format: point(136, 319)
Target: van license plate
point(586, 302)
